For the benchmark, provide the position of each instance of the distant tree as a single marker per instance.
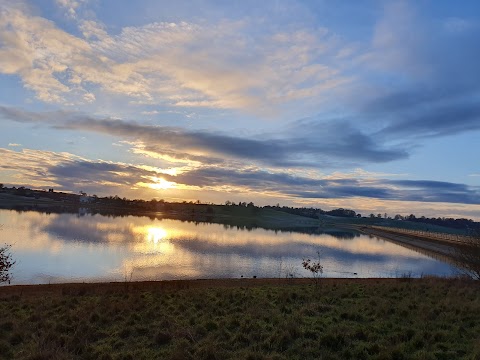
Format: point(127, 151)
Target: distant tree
point(372, 216)
point(6, 262)
point(1, 186)
point(341, 212)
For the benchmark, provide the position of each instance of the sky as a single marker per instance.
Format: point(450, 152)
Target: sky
point(368, 105)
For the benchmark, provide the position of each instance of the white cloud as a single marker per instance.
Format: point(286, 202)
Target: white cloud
point(93, 30)
point(30, 166)
point(89, 97)
point(180, 64)
point(70, 6)
point(153, 112)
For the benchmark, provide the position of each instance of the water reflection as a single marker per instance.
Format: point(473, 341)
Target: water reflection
point(156, 234)
point(68, 247)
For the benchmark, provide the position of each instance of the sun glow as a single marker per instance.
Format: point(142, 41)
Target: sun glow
point(156, 234)
point(160, 184)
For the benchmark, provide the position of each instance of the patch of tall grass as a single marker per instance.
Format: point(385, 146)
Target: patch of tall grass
point(375, 319)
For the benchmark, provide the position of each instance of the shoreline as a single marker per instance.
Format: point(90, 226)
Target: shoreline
point(437, 249)
point(176, 285)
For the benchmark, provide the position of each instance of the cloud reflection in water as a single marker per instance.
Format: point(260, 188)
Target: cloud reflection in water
point(65, 247)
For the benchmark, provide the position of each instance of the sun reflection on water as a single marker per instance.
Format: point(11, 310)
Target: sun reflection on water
point(156, 240)
point(156, 234)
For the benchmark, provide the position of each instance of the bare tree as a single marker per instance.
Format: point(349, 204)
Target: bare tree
point(468, 256)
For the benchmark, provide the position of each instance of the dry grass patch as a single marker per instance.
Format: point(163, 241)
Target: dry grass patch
point(341, 319)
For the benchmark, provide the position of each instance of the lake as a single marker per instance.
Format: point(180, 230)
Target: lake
point(53, 248)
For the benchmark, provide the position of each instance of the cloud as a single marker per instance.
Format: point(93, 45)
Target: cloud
point(70, 6)
point(432, 67)
point(152, 112)
point(312, 144)
point(14, 145)
point(71, 174)
point(443, 120)
point(217, 65)
point(250, 179)
point(31, 166)
point(68, 172)
point(37, 51)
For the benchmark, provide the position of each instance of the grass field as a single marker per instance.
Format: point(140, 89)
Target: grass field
point(243, 319)
point(259, 217)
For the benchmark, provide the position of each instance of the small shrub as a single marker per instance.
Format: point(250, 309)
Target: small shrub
point(6, 263)
point(315, 267)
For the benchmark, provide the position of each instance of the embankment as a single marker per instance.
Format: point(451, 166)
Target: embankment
point(442, 250)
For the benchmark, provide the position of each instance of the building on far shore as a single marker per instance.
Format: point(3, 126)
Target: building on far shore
point(84, 199)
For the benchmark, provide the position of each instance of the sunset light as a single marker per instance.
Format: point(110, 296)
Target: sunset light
point(156, 234)
point(240, 179)
point(301, 103)
point(162, 184)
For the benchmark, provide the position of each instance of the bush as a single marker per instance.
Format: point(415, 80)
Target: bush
point(315, 267)
point(6, 263)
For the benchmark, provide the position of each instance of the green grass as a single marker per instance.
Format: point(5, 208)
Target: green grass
point(349, 319)
point(259, 217)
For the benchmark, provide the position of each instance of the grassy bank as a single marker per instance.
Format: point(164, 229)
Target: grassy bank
point(244, 319)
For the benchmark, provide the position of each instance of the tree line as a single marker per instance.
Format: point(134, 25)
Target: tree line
point(162, 205)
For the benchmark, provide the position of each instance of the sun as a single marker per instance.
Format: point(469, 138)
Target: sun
point(161, 184)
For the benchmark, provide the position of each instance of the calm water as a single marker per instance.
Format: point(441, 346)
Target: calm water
point(65, 247)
